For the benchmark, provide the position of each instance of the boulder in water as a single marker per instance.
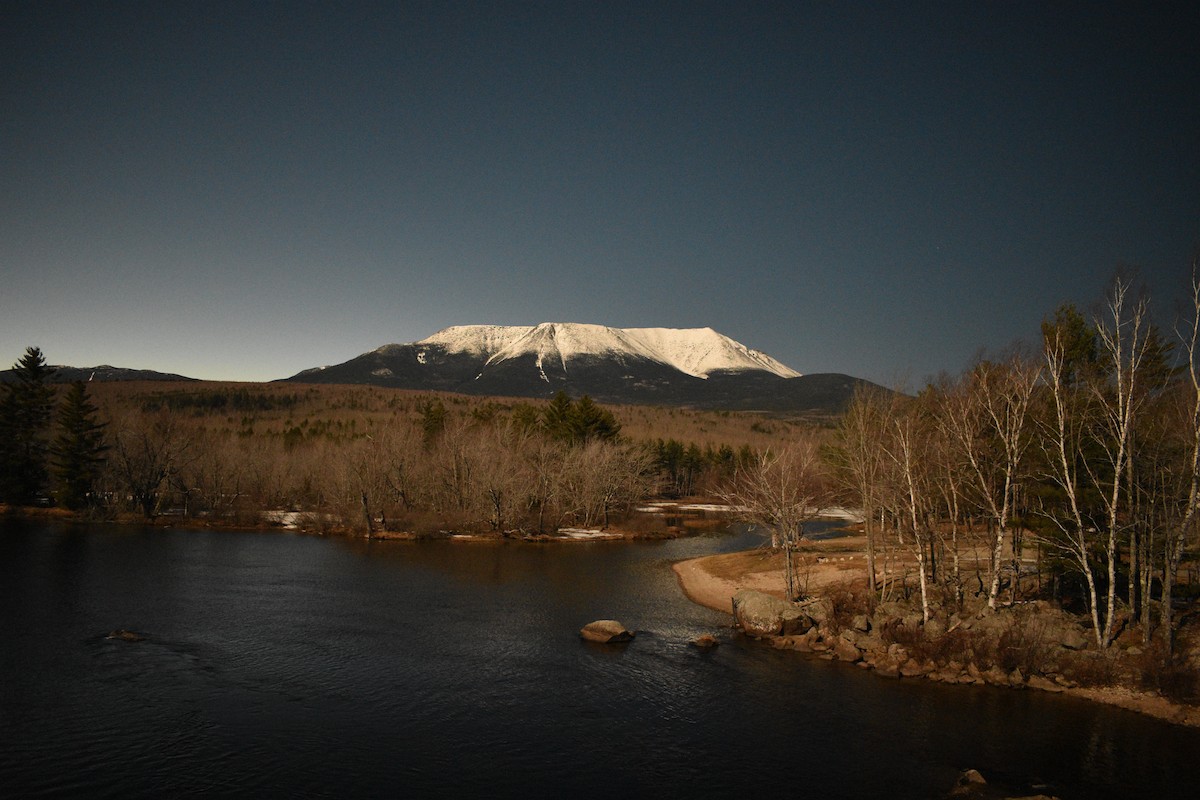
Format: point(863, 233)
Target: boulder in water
point(605, 631)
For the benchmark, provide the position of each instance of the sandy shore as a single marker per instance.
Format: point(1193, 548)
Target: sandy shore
point(704, 588)
point(712, 581)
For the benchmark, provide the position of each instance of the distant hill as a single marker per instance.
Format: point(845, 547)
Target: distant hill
point(64, 374)
point(698, 368)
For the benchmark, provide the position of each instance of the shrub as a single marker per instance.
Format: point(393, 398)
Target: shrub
point(846, 601)
point(1170, 675)
point(1025, 644)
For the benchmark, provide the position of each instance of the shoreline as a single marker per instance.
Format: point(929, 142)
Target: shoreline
point(699, 584)
point(282, 522)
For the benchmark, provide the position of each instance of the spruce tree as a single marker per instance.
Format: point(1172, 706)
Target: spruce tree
point(556, 418)
point(578, 422)
point(77, 453)
point(590, 421)
point(26, 407)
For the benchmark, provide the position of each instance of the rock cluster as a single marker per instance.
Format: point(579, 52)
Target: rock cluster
point(807, 627)
point(974, 786)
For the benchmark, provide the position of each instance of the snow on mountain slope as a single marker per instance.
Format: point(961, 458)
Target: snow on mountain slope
point(479, 340)
point(695, 351)
point(700, 351)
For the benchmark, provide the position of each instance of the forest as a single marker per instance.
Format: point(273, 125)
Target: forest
point(1068, 470)
point(355, 459)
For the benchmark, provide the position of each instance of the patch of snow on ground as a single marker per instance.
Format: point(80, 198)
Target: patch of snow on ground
point(838, 512)
point(584, 533)
point(290, 520)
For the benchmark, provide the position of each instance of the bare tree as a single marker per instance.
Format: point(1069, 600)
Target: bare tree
point(501, 473)
point(781, 490)
point(858, 460)
point(544, 459)
point(148, 450)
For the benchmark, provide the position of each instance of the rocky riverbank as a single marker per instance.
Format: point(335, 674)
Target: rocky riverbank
point(1026, 646)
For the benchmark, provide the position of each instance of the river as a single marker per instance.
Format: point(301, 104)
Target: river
point(279, 664)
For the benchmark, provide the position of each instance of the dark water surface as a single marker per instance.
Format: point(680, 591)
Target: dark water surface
point(289, 665)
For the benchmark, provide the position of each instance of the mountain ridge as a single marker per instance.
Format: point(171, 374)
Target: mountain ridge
point(695, 351)
point(695, 367)
point(104, 373)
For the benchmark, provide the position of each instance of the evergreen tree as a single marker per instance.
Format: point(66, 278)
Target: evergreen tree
point(579, 422)
point(25, 411)
point(77, 452)
point(556, 419)
point(433, 421)
point(589, 421)
point(525, 417)
point(1077, 337)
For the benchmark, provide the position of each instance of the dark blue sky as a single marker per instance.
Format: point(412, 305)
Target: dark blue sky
point(243, 190)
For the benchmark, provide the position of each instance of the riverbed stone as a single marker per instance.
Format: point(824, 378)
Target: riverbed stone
point(605, 631)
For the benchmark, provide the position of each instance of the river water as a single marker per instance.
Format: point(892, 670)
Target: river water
point(289, 665)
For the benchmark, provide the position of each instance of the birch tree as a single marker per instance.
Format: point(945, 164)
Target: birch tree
point(987, 417)
point(1178, 534)
point(906, 447)
point(1088, 435)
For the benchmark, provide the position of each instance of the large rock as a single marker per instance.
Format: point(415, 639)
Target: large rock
point(761, 614)
point(846, 651)
point(605, 631)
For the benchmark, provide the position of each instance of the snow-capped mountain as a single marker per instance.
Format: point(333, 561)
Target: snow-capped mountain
point(694, 367)
point(695, 351)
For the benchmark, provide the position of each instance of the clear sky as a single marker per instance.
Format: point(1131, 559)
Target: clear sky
point(241, 190)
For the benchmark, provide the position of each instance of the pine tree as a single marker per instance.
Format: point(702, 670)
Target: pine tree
point(590, 421)
point(77, 452)
point(578, 422)
point(556, 419)
point(433, 421)
point(25, 411)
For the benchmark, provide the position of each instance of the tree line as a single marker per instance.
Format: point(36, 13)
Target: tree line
point(1075, 464)
point(368, 463)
